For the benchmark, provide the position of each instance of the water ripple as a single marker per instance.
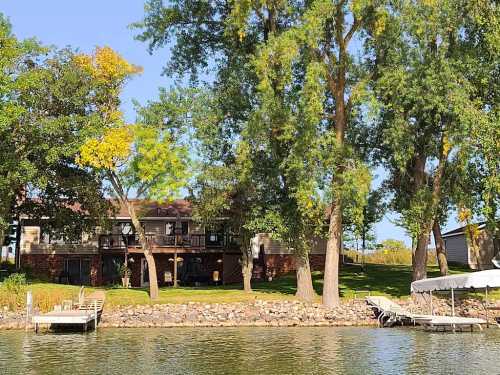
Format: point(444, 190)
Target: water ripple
point(250, 351)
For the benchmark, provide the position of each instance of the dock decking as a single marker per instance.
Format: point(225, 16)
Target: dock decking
point(71, 317)
point(390, 313)
point(87, 311)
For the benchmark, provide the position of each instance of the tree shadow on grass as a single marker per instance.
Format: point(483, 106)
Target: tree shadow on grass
point(391, 280)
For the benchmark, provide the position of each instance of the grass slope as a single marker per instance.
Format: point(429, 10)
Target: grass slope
point(390, 280)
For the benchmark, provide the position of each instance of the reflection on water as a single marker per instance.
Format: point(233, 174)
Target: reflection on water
point(250, 351)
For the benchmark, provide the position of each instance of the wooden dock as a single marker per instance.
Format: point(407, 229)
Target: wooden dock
point(443, 323)
point(85, 313)
point(66, 318)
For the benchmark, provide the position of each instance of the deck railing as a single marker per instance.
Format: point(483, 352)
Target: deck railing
point(211, 240)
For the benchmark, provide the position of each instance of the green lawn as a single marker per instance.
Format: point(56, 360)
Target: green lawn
point(378, 279)
point(390, 280)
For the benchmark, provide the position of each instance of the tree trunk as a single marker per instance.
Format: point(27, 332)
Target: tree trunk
point(336, 85)
point(148, 254)
point(331, 296)
point(440, 249)
point(305, 290)
point(247, 268)
point(2, 237)
point(153, 277)
point(419, 258)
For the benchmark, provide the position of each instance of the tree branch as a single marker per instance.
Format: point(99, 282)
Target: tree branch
point(115, 182)
point(352, 30)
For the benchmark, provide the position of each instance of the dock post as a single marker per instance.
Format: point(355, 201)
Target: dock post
point(452, 302)
point(29, 308)
point(486, 307)
point(95, 315)
point(432, 312)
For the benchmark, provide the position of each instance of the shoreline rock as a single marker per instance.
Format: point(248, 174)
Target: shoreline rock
point(243, 314)
point(257, 313)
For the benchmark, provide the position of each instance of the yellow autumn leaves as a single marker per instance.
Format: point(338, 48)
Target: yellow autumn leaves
point(108, 151)
point(109, 71)
point(106, 65)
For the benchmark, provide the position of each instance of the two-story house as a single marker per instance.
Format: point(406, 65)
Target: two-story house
point(95, 259)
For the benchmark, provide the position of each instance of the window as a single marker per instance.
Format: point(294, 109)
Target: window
point(78, 270)
point(185, 228)
point(170, 228)
point(126, 228)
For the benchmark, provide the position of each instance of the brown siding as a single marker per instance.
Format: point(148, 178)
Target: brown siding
point(280, 264)
point(155, 227)
point(232, 269)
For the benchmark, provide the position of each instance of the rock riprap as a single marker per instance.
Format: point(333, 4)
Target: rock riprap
point(258, 313)
point(194, 314)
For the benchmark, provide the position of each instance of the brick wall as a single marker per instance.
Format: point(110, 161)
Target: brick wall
point(50, 266)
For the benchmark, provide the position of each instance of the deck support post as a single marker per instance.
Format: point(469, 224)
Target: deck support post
point(175, 266)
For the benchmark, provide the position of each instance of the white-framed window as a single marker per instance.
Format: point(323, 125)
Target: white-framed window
point(170, 228)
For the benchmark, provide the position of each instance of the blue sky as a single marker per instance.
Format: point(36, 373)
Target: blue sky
point(90, 23)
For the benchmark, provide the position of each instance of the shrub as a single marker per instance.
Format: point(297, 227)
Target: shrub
point(12, 291)
point(124, 271)
point(15, 283)
point(390, 252)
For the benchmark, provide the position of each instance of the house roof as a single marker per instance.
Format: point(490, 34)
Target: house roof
point(460, 230)
point(179, 207)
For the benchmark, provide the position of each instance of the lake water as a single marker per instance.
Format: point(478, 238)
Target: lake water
point(251, 351)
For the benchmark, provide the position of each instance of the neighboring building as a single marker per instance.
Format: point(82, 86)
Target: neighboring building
point(6, 254)
point(459, 250)
point(96, 258)
point(272, 258)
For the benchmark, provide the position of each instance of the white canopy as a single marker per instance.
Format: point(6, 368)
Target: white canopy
point(476, 280)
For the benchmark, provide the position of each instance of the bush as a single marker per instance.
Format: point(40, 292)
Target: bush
point(15, 283)
point(392, 252)
point(124, 271)
point(12, 291)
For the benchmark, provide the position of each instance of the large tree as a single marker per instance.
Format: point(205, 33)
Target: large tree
point(44, 103)
point(427, 111)
point(204, 42)
point(481, 45)
point(146, 160)
point(307, 71)
point(317, 34)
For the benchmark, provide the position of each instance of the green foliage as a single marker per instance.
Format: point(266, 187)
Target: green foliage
point(148, 157)
point(43, 121)
point(124, 271)
point(15, 283)
point(429, 106)
point(389, 252)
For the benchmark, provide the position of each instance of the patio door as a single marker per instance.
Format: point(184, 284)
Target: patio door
point(78, 271)
point(144, 273)
point(73, 270)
